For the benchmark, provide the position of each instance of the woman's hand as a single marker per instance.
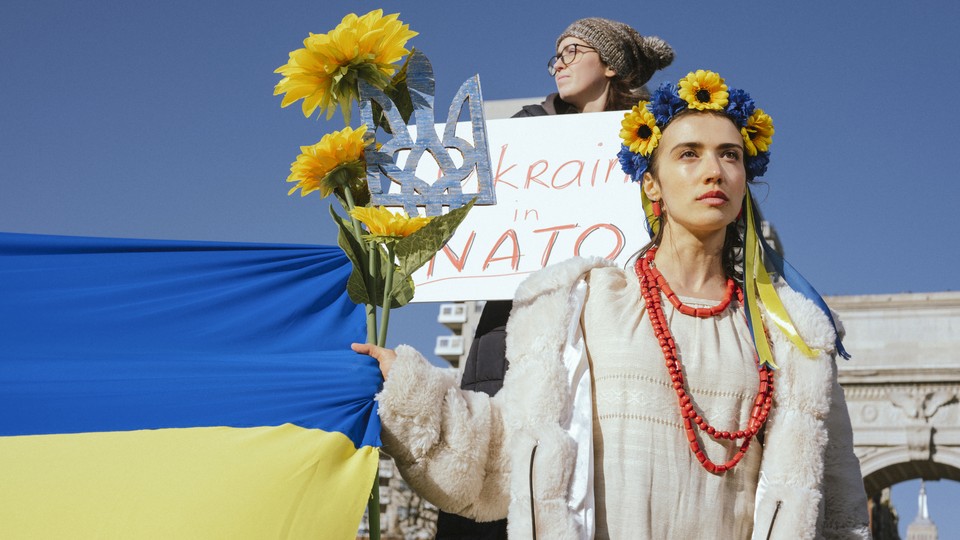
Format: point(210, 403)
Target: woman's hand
point(384, 356)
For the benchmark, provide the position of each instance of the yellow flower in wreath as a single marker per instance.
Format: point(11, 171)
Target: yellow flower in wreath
point(640, 132)
point(335, 161)
point(386, 225)
point(704, 90)
point(758, 133)
point(325, 72)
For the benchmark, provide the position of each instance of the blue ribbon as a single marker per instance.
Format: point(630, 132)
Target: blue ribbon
point(798, 283)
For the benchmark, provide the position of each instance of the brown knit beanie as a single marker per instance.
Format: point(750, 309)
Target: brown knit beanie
point(631, 55)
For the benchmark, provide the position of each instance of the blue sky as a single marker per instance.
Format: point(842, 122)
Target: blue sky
point(158, 120)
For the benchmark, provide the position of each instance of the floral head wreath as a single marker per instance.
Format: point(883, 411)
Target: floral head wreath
point(706, 91)
point(700, 90)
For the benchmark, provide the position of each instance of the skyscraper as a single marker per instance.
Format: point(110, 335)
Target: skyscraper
point(922, 527)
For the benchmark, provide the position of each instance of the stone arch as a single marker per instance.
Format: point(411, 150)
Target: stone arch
point(903, 388)
point(885, 468)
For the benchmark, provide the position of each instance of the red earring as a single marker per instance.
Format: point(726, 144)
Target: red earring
point(656, 209)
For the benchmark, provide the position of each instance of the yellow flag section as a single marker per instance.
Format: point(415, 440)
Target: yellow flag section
point(212, 482)
point(167, 389)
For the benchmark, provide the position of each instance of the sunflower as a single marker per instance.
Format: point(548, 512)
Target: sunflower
point(333, 162)
point(325, 72)
point(704, 90)
point(640, 132)
point(386, 225)
point(758, 133)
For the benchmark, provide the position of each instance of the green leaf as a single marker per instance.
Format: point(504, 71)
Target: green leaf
point(399, 93)
point(376, 77)
point(357, 283)
point(415, 250)
point(402, 291)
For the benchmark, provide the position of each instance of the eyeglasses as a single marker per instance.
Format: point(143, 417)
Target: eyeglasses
point(569, 55)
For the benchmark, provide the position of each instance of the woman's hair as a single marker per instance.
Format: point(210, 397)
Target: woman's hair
point(621, 96)
point(732, 254)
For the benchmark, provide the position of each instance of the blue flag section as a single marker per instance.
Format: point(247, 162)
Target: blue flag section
point(181, 389)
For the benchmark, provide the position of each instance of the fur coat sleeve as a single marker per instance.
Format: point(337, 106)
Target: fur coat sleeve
point(447, 443)
point(810, 485)
point(457, 448)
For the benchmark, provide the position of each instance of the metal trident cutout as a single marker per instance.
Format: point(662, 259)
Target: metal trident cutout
point(414, 191)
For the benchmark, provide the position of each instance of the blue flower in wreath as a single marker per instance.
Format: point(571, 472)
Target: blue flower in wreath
point(757, 165)
point(665, 103)
point(740, 106)
point(632, 163)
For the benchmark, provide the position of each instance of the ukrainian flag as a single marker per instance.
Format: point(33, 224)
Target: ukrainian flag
point(160, 389)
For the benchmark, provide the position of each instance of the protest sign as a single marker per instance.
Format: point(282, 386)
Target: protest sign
point(560, 193)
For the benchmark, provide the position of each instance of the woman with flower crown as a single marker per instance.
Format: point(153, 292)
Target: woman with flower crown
point(689, 396)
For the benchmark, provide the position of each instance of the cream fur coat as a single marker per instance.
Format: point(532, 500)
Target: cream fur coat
point(471, 454)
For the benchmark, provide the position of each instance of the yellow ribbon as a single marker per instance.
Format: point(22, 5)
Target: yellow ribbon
point(652, 219)
point(776, 311)
point(758, 284)
point(751, 260)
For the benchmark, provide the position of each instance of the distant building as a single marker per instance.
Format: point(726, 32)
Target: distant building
point(461, 318)
point(922, 527)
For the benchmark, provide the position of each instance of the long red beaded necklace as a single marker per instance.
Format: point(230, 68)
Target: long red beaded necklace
point(652, 284)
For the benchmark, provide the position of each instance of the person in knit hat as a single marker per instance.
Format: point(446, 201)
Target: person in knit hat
point(601, 65)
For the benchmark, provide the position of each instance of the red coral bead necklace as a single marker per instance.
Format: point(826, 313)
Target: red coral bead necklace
point(652, 284)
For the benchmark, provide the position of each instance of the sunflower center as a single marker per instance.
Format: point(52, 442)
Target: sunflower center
point(703, 96)
point(644, 132)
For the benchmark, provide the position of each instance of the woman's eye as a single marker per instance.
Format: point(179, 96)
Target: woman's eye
point(732, 154)
point(688, 154)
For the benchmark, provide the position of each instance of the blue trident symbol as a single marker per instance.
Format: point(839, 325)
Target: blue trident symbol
point(414, 191)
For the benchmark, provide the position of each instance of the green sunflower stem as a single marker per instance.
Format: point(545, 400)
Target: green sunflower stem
point(373, 262)
point(387, 290)
point(373, 503)
point(357, 231)
point(373, 508)
point(371, 309)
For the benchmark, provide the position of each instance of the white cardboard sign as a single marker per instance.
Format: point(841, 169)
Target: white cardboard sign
point(560, 193)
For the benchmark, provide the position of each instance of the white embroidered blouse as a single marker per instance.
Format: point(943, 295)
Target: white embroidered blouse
point(648, 484)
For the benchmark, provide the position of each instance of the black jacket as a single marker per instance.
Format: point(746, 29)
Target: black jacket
point(482, 372)
point(550, 106)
